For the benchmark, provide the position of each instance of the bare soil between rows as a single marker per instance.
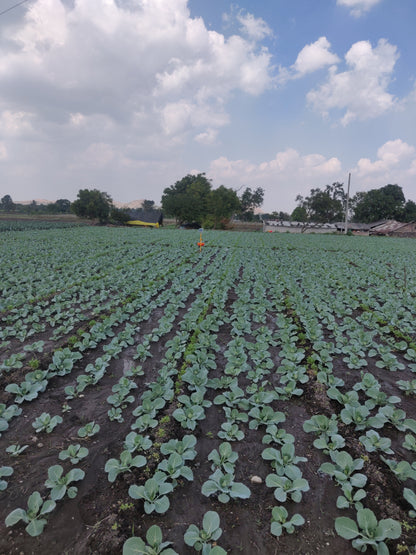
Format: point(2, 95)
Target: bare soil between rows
point(103, 516)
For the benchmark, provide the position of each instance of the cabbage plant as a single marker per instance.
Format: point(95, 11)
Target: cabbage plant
point(114, 467)
point(59, 483)
point(369, 531)
point(224, 459)
point(46, 423)
point(292, 485)
point(155, 544)
point(74, 453)
point(280, 521)
point(223, 485)
point(89, 430)
point(343, 469)
point(175, 467)
point(203, 539)
point(34, 515)
point(153, 493)
point(184, 447)
point(5, 471)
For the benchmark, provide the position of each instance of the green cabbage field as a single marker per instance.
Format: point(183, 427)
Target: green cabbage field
point(257, 397)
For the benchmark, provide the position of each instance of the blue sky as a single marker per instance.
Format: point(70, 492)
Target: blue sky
point(129, 96)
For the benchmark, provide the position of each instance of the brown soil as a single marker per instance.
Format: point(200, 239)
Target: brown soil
point(103, 516)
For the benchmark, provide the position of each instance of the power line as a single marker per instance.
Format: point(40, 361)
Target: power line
point(12, 7)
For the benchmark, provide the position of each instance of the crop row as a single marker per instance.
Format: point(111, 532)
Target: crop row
point(236, 335)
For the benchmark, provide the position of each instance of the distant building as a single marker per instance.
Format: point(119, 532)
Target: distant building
point(282, 226)
point(390, 228)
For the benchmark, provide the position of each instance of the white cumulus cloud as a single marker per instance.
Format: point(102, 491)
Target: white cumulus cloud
point(360, 91)
point(120, 59)
point(289, 173)
point(358, 7)
point(254, 27)
point(394, 160)
point(314, 56)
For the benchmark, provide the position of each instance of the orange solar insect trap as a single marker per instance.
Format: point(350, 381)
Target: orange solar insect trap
point(200, 243)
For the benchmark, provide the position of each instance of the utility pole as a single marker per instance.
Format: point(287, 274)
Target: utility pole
point(347, 204)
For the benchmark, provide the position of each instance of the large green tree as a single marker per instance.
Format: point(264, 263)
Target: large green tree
point(323, 206)
point(7, 204)
point(192, 200)
point(409, 211)
point(386, 203)
point(222, 204)
point(250, 200)
point(92, 204)
point(187, 200)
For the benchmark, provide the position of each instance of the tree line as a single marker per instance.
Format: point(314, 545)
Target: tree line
point(190, 201)
point(61, 206)
point(328, 205)
point(193, 201)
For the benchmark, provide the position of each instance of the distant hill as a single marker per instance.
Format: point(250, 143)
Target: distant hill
point(37, 200)
point(131, 204)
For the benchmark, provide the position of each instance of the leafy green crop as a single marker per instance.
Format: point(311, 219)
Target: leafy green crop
point(281, 522)
point(5, 471)
point(59, 483)
point(224, 458)
point(369, 531)
point(74, 453)
point(114, 467)
point(153, 493)
point(46, 423)
point(224, 486)
point(292, 485)
point(155, 544)
point(89, 430)
point(202, 540)
point(36, 509)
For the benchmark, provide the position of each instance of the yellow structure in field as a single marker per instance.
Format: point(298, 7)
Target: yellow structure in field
point(139, 222)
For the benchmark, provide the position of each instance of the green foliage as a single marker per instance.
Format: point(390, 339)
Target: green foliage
point(230, 432)
point(89, 430)
point(92, 204)
point(224, 458)
point(250, 200)
point(373, 442)
point(16, 450)
point(175, 467)
point(283, 461)
point(385, 203)
point(74, 453)
point(410, 497)
point(369, 531)
point(153, 493)
point(188, 199)
point(280, 521)
point(46, 423)
point(59, 483)
point(322, 206)
point(223, 485)
point(5, 471)
point(343, 469)
point(114, 467)
point(184, 447)
point(202, 539)
point(155, 544)
point(292, 485)
point(136, 442)
point(36, 509)
point(191, 200)
point(222, 204)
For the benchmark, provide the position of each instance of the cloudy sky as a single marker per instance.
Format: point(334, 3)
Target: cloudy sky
point(128, 96)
